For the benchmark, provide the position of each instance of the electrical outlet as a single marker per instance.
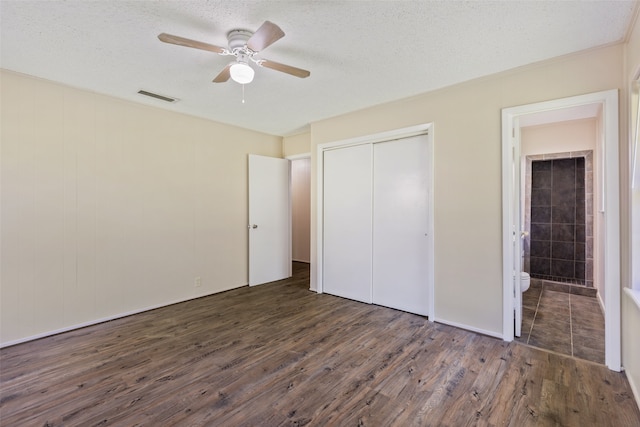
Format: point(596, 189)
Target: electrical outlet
point(197, 282)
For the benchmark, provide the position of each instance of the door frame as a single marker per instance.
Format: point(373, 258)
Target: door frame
point(610, 193)
point(421, 129)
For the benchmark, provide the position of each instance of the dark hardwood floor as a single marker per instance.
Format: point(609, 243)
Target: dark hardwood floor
point(279, 354)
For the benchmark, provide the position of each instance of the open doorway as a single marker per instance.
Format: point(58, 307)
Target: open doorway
point(300, 211)
point(603, 107)
point(561, 238)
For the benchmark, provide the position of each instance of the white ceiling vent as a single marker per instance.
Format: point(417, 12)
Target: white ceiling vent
point(157, 96)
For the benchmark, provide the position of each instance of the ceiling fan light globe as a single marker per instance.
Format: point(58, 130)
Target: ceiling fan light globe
point(241, 73)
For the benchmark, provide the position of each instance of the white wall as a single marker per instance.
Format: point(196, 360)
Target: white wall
point(110, 207)
point(301, 209)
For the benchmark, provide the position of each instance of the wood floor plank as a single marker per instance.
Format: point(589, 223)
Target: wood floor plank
point(280, 355)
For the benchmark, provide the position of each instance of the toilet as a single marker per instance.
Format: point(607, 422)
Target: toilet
point(525, 281)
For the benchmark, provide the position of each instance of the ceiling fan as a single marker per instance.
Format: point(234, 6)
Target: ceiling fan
point(244, 45)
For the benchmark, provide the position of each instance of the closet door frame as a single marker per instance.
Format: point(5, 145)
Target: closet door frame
point(422, 129)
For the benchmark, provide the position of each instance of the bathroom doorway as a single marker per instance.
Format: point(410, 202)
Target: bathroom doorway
point(561, 310)
point(602, 107)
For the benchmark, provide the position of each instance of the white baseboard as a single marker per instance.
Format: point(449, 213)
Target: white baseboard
point(107, 319)
point(634, 294)
point(468, 328)
point(599, 298)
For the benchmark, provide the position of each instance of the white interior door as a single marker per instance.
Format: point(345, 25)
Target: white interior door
point(400, 224)
point(347, 224)
point(518, 226)
point(269, 220)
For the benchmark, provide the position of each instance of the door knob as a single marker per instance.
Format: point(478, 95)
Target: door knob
point(253, 226)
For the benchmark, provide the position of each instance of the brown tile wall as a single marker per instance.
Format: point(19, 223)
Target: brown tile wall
point(558, 220)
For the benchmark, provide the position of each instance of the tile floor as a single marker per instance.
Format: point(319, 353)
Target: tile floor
point(563, 318)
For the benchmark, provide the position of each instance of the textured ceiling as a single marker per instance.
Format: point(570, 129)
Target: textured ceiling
point(360, 53)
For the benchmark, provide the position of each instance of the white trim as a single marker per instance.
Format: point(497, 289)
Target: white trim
point(634, 294)
point(634, 191)
point(634, 132)
point(422, 129)
point(431, 280)
point(378, 137)
point(298, 156)
point(468, 328)
point(516, 268)
point(601, 302)
point(371, 153)
point(109, 318)
point(319, 218)
point(609, 102)
point(508, 187)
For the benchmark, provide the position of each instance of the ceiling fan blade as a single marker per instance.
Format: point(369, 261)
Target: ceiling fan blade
point(224, 75)
point(181, 41)
point(267, 34)
point(298, 72)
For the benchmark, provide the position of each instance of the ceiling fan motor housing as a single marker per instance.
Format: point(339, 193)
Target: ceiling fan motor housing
point(238, 39)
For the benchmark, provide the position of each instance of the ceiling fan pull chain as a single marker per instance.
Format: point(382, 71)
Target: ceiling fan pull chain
point(243, 94)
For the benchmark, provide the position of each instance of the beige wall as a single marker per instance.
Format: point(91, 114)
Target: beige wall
point(296, 144)
point(563, 137)
point(467, 145)
point(110, 207)
point(631, 309)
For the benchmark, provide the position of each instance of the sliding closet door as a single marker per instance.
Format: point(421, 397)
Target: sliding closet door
point(400, 224)
point(347, 222)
